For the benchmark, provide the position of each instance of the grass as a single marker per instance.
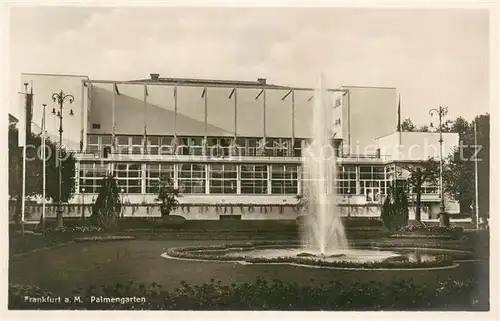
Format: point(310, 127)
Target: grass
point(63, 269)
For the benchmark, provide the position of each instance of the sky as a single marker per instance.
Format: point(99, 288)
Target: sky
point(433, 56)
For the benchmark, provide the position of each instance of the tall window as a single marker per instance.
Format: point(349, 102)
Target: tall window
point(284, 179)
point(223, 179)
point(91, 175)
point(136, 144)
point(372, 182)
point(191, 178)
point(128, 176)
point(346, 183)
point(253, 179)
point(153, 174)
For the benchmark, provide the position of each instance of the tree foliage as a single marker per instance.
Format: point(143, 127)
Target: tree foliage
point(459, 172)
point(395, 209)
point(107, 206)
point(418, 174)
point(167, 196)
point(34, 170)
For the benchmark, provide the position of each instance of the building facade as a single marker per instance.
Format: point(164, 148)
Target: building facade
point(231, 147)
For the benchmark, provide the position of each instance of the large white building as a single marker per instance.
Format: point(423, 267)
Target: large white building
point(232, 147)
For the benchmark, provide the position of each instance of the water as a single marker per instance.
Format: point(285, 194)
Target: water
point(324, 232)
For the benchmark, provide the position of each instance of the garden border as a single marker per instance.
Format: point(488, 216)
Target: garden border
point(448, 260)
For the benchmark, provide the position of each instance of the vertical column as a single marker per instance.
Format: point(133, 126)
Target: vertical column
point(358, 178)
point(238, 179)
point(269, 185)
point(299, 179)
point(207, 181)
point(77, 177)
point(176, 175)
point(205, 121)
point(113, 119)
point(235, 113)
point(82, 114)
point(143, 181)
point(144, 139)
point(293, 125)
point(175, 112)
point(264, 111)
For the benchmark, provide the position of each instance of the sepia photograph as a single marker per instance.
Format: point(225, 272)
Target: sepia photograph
point(227, 158)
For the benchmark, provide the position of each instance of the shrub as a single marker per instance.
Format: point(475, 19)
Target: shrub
point(107, 206)
point(395, 209)
point(276, 294)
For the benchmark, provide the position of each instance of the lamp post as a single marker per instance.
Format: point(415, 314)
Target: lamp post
point(83, 202)
point(121, 207)
point(60, 98)
point(441, 112)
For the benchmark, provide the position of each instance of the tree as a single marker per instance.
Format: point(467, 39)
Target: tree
point(418, 174)
point(167, 195)
point(459, 172)
point(395, 209)
point(107, 206)
point(408, 126)
point(34, 171)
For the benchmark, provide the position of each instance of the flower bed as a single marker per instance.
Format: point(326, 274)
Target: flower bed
point(216, 253)
point(423, 236)
point(275, 295)
point(103, 238)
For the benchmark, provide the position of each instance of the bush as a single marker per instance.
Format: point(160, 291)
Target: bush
point(271, 295)
point(395, 209)
point(107, 206)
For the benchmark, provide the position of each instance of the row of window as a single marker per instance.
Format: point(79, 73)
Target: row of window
point(191, 178)
point(215, 146)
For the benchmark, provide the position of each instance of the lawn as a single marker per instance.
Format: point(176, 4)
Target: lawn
point(64, 269)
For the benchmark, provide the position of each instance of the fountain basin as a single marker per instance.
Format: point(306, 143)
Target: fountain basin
point(363, 257)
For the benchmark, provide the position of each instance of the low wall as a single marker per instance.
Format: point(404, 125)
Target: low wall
point(213, 212)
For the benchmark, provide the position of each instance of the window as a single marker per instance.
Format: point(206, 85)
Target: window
point(223, 179)
point(277, 146)
point(96, 126)
point(153, 174)
point(191, 178)
point(346, 182)
point(122, 144)
point(91, 175)
point(93, 144)
point(128, 176)
point(153, 145)
point(136, 144)
point(372, 182)
point(297, 147)
point(106, 140)
point(253, 179)
point(284, 179)
point(253, 146)
point(166, 145)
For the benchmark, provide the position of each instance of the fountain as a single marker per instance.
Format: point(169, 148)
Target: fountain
point(324, 242)
point(324, 233)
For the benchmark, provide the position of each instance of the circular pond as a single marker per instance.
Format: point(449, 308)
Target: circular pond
point(355, 257)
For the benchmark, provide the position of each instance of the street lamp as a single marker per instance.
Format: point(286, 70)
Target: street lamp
point(121, 207)
point(83, 201)
point(60, 98)
point(441, 112)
